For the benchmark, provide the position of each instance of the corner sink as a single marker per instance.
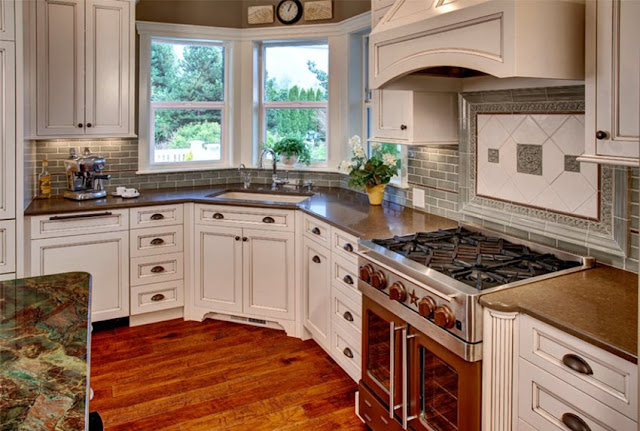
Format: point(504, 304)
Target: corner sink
point(262, 197)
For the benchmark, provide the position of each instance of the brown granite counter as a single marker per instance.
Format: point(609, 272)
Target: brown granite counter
point(44, 352)
point(599, 306)
point(343, 208)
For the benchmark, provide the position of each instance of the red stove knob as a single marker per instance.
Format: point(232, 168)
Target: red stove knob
point(378, 280)
point(365, 272)
point(443, 316)
point(426, 306)
point(397, 292)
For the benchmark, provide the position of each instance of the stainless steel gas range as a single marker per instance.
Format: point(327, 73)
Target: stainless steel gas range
point(422, 322)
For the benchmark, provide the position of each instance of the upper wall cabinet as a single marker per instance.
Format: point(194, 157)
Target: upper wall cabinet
point(612, 81)
point(504, 38)
point(84, 67)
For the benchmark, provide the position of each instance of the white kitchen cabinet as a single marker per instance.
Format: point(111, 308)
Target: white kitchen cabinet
point(7, 20)
point(84, 68)
point(415, 117)
point(7, 246)
point(612, 82)
point(104, 255)
point(317, 292)
point(7, 130)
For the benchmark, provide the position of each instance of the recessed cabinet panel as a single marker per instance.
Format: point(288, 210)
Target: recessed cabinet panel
point(268, 260)
point(60, 67)
point(7, 246)
point(7, 26)
point(391, 113)
point(7, 130)
point(218, 263)
point(317, 286)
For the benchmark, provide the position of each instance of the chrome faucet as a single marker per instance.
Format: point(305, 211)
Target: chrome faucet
point(244, 176)
point(275, 181)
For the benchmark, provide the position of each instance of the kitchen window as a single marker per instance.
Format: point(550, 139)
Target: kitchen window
point(183, 100)
point(294, 102)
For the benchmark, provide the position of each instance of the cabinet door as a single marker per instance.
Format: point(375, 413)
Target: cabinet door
point(317, 292)
point(7, 130)
point(60, 67)
point(107, 67)
point(218, 266)
point(617, 78)
point(391, 114)
point(7, 24)
point(105, 256)
point(269, 273)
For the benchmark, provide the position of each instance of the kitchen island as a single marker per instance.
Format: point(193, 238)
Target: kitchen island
point(44, 352)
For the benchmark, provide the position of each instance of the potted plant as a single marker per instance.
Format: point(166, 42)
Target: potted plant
point(292, 150)
point(371, 174)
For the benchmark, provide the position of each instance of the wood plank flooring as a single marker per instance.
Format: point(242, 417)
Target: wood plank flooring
point(216, 375)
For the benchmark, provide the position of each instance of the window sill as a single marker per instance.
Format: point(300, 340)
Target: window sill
point(185, 169)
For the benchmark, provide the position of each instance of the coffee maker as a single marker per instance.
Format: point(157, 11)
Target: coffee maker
point(85, 179)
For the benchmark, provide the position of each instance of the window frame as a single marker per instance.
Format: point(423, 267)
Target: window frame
point(263, 104)
point(147, 108)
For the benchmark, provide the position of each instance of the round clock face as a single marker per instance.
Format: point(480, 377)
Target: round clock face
point(289, 11)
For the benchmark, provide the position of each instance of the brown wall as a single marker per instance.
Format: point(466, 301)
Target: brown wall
point(230, 13)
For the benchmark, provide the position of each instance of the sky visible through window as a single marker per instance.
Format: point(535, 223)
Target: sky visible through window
point(288, 65)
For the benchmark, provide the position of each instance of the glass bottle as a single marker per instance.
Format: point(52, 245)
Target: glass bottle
point(44, 181)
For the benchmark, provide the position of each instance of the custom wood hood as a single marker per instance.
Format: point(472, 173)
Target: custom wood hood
point(503, 38)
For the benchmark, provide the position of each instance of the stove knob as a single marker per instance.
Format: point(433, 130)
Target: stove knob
point(443, 316)
point(378, 280)
point(426, 306)
point(365, 272)
point(397, 292)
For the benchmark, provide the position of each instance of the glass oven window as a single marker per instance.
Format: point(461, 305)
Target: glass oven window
point(378, 348)
point(439, 393)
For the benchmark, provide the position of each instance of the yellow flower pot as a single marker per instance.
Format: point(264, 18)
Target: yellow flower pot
point(375, 194)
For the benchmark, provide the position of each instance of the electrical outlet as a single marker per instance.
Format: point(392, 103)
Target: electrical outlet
point(418, 198)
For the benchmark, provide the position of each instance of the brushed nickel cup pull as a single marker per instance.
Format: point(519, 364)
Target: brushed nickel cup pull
point(348, 353)
point(577, 364)
point(315, 230)
point(157, 241)
point(347, 279)
point(157, 297)
point(348, 247)
point(268, 220)
point(574, 422)
point(157, 217)
point(316, 259)
point(157, 269)
point(348, 316)
point(218, 216)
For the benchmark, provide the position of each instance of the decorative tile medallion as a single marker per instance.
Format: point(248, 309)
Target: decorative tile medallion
point(571, 163)
point(494, 155)
point(530, 159)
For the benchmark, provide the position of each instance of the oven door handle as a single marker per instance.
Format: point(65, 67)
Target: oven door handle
point(392, 366)
point(405, 380)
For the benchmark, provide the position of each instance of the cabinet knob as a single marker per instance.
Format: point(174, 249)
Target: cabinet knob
point(348, 247)
point(315, 231)
point(157, 217)
point(88, 124)
point(348, 316)
point(577, 364)
point(157, 297)
point(347, 279)
point(348, 353)
point(316, 259)
point(268, 220)
point(601, 134)
point(157, 269)
point(79, 125)
point(245, 239)
point(574, 422)
point(157, 241)
point(218, 216)
point(403, 127)
point(238, 238)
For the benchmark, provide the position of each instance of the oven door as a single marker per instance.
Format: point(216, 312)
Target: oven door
point(444, 389)
point(382, 355)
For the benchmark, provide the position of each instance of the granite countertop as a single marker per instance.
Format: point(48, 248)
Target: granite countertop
point(599, 306)
point(44, 352)
point(343, 208)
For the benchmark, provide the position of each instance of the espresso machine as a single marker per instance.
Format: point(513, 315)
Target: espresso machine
point(85, 179)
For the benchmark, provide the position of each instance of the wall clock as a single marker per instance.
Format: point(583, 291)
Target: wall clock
point(289, 11)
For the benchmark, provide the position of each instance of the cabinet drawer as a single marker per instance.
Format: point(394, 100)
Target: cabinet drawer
point(232, 216)
point(345, 349)
point(343, 272)
point(164, 215)
point(317, 230)
point(613, 380)
point(154, 269)
point(7, 246)
point(157, 296)
point(156, 240)
point(57, 225)
point(345, 310)
point(344, 245)
point(545, 399)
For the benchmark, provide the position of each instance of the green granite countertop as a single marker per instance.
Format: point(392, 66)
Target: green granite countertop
point(44, 352)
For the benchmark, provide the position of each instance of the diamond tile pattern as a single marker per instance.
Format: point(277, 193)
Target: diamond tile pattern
point(547, 176)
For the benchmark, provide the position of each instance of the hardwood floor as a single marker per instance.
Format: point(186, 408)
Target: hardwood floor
point(216, 375)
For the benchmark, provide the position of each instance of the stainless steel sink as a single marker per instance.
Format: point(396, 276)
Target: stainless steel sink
point(289, 198)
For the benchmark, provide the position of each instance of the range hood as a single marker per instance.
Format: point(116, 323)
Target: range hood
point(503, 38)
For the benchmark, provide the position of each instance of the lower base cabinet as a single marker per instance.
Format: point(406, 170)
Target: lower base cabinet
point(105, 256)
point(317, 292)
